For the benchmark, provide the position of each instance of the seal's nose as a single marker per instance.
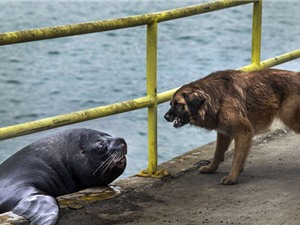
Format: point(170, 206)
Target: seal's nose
point(119, 144)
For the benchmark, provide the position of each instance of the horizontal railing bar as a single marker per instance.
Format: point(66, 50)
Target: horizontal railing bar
point(113, 24)
point(74, 117)
point(274, 61)
point(121, 107)
point(166, 96)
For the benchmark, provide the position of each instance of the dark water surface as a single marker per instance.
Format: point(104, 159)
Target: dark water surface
point(52, 77)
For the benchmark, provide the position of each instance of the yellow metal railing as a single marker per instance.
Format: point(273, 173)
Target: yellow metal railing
point(113, 24)
point(151, 91)
point(256, 33)
point(152, 98)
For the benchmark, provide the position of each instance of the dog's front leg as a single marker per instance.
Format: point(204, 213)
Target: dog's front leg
point(242, 147)
point(223, 142)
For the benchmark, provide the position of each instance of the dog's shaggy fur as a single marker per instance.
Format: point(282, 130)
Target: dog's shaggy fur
point(237, 105)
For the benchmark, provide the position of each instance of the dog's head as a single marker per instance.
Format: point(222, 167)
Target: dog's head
point(184, 105)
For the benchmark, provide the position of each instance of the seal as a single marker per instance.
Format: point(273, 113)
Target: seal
point(57, 165)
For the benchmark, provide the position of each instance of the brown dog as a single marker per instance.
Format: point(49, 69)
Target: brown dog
point(237, 105)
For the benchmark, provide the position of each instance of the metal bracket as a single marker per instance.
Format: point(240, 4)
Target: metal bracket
point(158, 174)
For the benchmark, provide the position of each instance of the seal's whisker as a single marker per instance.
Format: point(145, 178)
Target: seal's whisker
point(108, 163)
point(107, 166)
point(116, 156)
point(112, 162)
point(103, 164)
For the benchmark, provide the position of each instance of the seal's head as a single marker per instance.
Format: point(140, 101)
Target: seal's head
point(97, 158)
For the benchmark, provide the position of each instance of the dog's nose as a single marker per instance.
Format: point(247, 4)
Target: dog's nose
point(167, 117)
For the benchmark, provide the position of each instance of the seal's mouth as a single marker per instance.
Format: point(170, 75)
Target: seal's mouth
point(120, 160)
point(117, 150)
point(121, 155)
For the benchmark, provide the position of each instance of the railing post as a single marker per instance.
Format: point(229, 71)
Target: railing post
point(151, 69)
point(256, 33)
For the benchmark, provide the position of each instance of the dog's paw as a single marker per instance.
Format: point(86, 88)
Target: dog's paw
point(206, 169)
point(228, 180)
point(202, 162)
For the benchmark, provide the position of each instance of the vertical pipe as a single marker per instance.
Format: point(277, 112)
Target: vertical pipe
point(151, 91)
point(256, 32)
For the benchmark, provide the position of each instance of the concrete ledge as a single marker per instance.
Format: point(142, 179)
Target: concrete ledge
point(176, 167)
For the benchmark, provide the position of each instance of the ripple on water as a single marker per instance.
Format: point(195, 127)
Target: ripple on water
point(16, 101)
point(53, 52)
point(141, 133)
point(26, 116)
point(14, 60)
point(185, 38)
point(14, 82)
point(55, 92)
point(92, 103)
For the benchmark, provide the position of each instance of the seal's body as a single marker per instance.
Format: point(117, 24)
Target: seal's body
point(60, 164)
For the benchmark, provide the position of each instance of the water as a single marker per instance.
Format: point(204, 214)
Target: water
point(48, 78)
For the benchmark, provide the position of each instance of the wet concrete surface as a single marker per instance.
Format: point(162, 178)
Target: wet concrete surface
point(268, 191)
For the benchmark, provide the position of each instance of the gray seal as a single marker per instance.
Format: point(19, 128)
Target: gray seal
point(57, 165)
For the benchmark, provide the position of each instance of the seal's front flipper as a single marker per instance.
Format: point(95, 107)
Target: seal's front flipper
point(39, 209)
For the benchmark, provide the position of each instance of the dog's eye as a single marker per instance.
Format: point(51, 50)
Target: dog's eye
point(179, 105)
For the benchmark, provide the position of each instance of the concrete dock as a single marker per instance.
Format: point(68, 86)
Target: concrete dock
point(267, 193)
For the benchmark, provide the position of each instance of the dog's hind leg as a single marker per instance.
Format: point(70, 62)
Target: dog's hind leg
point(290, 114)
point(223, 142)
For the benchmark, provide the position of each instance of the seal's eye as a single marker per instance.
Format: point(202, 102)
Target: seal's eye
point(102, 145)
point(99, 146)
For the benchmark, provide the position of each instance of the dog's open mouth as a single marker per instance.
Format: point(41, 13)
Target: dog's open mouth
point(178, 122)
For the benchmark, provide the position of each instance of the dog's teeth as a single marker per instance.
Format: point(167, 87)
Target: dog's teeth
point(176, 121)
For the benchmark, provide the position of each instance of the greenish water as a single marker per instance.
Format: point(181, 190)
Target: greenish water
point(48, 78)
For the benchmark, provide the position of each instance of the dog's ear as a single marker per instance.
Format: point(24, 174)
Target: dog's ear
point(194, 101)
